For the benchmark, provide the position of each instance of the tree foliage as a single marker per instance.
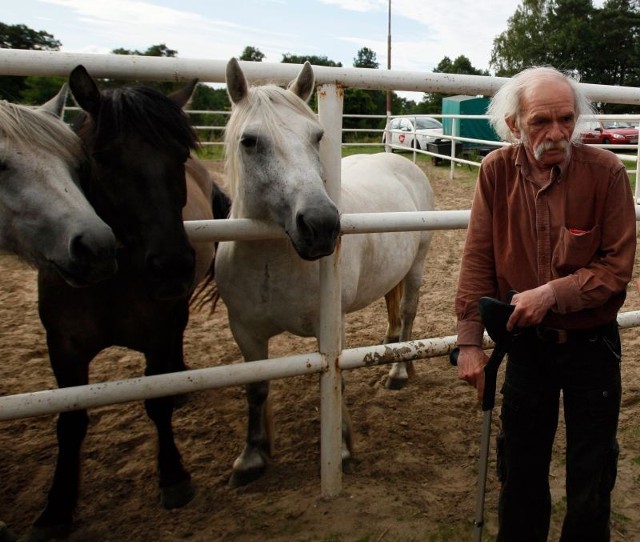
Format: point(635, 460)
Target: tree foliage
point(432, 101)
point(252, 54)
point(601, 45)
point(19, 36)
point(160, 50)
point(366, 58)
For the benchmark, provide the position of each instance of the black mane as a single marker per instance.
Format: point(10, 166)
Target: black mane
point(144, 112)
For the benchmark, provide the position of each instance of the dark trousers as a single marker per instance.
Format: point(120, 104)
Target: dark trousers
point(586, 368)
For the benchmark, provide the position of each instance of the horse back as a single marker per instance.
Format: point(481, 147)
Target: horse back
point(375, 263)
point(384, 182)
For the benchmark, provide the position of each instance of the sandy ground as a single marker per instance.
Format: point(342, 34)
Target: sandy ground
point(417, 448)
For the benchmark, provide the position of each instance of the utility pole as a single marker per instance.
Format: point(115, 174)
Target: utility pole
point(389, 61)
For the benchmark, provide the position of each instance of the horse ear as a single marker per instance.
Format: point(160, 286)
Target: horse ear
point(237, 86)
point(84, 90)
point(181, 97)
point(55, 106)
point(303, 85)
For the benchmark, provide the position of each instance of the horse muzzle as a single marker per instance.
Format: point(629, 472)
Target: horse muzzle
point(316, 233)
point(171, 276)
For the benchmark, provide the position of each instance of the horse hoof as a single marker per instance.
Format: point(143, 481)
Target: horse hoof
point(5, 534)
point(241, 478)
point(178, 495)
point(395, 383)
point(45, 533)
point(349, 465)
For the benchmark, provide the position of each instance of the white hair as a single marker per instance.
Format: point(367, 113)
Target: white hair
point(506, 103)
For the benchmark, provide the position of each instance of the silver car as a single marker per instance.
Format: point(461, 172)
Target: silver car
point(411, 132)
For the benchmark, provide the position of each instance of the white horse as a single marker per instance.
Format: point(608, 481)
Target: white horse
point(44, 216)
point(274, 173)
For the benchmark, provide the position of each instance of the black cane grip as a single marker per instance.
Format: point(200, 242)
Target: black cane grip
point(453, 356)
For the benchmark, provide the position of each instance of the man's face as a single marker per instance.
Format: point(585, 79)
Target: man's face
point(547, 120)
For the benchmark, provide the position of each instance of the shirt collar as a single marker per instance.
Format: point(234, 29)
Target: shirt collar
point(557, 172)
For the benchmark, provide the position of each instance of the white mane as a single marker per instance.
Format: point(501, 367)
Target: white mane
point(273, 105)
point(24, 127)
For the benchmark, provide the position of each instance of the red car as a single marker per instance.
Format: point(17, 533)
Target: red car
point(610, 132)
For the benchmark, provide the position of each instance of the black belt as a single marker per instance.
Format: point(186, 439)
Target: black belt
point(562, 336)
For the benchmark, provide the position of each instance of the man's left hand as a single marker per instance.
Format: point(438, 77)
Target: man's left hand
point(531, 306)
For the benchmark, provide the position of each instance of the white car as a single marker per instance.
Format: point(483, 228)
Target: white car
point(411, 131)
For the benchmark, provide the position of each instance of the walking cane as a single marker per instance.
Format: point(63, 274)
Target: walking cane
point(495, 315)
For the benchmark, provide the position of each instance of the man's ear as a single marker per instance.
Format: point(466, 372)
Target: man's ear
point(512, 123)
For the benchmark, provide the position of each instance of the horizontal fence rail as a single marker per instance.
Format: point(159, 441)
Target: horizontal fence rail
point(330, 359)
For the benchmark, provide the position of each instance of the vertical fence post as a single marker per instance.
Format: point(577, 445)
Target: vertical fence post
point(330, 105)
point(454, 134)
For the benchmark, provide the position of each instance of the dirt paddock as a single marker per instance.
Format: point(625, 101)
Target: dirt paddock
point(416, 470)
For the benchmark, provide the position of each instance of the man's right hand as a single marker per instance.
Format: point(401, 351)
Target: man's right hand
point(471, 362)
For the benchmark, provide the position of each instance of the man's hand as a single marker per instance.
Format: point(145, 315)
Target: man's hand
point(531, 307)
point(471, 362)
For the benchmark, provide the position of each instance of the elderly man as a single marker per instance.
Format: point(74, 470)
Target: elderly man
point(553, 220)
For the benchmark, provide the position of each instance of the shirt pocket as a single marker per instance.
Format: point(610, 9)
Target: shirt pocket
point(575, 250)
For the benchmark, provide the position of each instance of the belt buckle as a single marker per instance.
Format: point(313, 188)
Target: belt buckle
point(552, 335)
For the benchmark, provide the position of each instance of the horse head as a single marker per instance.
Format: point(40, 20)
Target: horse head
point(139, 140)
point(273, 161)
point(45, 217)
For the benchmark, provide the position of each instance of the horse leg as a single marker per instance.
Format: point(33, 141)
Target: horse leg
point(399, 372)
point(256, 455)
point(347, 433)
point(176, 488)
point(347, 450)
point(408, 305)
point(56, 520)
point(5, 534)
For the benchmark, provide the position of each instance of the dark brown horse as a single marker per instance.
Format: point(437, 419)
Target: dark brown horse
point(142, 180)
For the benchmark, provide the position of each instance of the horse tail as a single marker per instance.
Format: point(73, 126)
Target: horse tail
point(393, 299)
point(207, 292)
point(220, 202)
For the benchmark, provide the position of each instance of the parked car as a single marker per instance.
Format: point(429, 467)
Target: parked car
point(610, 132)
point(411, 131)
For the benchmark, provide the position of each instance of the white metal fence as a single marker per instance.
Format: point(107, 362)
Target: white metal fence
point(330, 359)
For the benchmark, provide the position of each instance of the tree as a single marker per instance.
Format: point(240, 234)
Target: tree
point(599, 45)
point(288, 58)
point(432, 101)
point(618, 31)
point(366, 58)
point(359, 101)
point(522, 44)
point(161, 50)
point(252, 54)
point(206, 98)
point(20, 36)
point(37, 90)
point(155, 50)
point(571, 36)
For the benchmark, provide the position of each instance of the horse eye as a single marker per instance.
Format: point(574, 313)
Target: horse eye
point(248, 141)
point(3, 166)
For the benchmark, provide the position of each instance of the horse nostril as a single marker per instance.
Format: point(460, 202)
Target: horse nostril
point(302, 226)
point(79, 250)
point(319, 225)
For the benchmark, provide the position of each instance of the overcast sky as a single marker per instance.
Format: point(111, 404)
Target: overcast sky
point(422, 31)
